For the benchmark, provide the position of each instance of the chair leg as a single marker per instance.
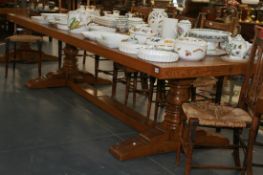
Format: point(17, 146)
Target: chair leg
point(190, 144)
point(236, 141)
point(219, 89)
point(14, 58)
point(114, 80)
point(59, 53)
point(150, 96)
point(193, 93)
point(39, 58)
point(251, 141)
point(6, 57)
point(97, 59)
point(128, 86)
point(134, 90)
point(84, 57)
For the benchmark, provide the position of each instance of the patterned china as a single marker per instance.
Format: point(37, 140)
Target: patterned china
point(111, 40)
point(212, 36)
point(237, 47)
point(190, 49)
point(158, 55)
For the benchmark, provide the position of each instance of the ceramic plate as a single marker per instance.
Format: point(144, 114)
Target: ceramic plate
point(229, 59)
point(130, 47)
point(158, 55)
point(211, 35)
point(216, 52)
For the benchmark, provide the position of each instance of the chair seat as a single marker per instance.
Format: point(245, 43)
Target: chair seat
point(205, 81)
point(210, 114)
point(24, 38)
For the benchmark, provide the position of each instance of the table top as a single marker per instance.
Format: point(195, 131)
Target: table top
point(210, 66)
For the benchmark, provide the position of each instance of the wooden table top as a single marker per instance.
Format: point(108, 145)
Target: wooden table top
point(210, 66)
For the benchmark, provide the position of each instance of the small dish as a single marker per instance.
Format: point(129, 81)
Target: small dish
point(216, 52)
point(62, 27)
point(130, 47)
point(92, 35)
point(158, 55)
point(111, 40)
point(234, 60)
point(78, 30)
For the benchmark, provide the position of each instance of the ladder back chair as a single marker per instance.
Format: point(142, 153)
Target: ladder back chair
point(233, 27)
point(23, 39)
point(219, 116)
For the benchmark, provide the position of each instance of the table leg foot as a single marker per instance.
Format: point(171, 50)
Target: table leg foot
point(49, 80)
point(91, 79)
point(151, 142)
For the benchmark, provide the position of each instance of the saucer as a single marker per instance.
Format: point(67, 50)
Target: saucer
point(216, 52)
point(229, 59)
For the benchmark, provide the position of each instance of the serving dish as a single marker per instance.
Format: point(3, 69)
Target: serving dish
point(235, 60)
point(111, 40)
point(158, 55)
point(131, 47)
point(210, 35)
point(92, 35)
point(190, 49)
point(39, 19)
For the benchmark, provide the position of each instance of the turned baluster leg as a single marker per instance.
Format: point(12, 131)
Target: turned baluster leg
point(178, 94)
point(70, 67)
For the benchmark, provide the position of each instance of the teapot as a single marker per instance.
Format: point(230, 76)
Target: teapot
point(237, 47)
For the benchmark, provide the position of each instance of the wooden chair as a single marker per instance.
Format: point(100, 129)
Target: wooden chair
point(141, 11)
point(22, 39)
point(219, 116)
point(232, 27)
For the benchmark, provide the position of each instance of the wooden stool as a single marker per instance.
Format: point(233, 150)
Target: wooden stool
point(22, 39)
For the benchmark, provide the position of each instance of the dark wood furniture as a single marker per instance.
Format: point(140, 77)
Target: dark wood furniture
point(246, 116)
point(151, 140)
point(22, 39)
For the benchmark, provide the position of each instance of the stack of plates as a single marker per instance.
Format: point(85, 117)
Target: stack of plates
point(131, 47)
point(39, 19)
point(106, 21)
point(95, 27)
point(135, 21)
point(122, 23)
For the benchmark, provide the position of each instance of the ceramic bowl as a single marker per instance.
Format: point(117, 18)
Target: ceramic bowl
point(158, 55)
point(130, 47)
point(101, 28)
point(210, 35)
point(92, 35)
point(79, 30)
point(39, 19)
point(111, 40)
point(190, 49)
point(62, 27)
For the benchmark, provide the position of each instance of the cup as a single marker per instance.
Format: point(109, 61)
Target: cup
point(169, 29)
point(116, 13)
point(183, 27)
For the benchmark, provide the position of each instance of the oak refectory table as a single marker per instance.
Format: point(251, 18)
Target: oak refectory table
point(152, 139)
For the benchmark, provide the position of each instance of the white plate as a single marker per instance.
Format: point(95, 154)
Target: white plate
point(111, 40)
point(79, 30)
point(62, 27)
point(130, 47)
point(229, 59)
point(101, 28)
point(39, 19)
point(92, 35)
point(158, 55)
point(216, 52)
